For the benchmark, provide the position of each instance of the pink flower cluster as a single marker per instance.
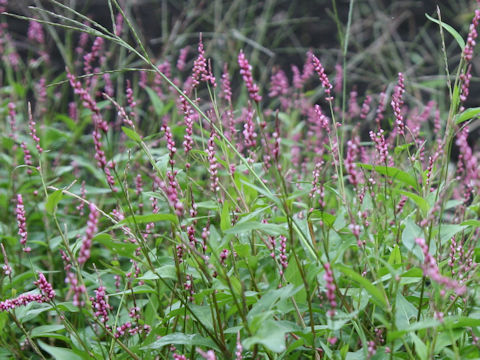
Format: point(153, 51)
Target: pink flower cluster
point(352, 152)
point(249, 133)
point(246, 72)
point(182, 58)
point(71, 279)
point(328, 277)
point(200, 71)
point(226, 87)
point(212, 160)
point(188, 116)
point(397, 103)
point(33, 130)
point(430, 269)
point(472, 35)
point(92, 222)
point(323, 77)
point(100, 305)
point(22, 223)
point(46, 294)
point(283, 254)
point(13, 116)
point(382, 148)
point(35, 32)
point(278, 84)
point(170, 143)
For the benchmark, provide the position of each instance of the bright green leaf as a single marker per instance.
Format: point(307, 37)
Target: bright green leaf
point(450, 29)
point(52, 201)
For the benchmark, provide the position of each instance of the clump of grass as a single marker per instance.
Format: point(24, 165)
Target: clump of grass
point(172, 214)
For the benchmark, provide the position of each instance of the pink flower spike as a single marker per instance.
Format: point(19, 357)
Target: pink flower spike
point(199, 65)
point(246, 72)
point(45, 287)
point(323, 77)
point(182, 58)
point(92, 222)
point(330, 285)
point(33, 131)
point(397, 103)
point(226, 87)
point(22, 223)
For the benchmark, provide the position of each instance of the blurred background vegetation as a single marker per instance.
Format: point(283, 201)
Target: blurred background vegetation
point(386, 36)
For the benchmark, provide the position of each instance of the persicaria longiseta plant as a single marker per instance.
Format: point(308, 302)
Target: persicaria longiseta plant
point(179, 208)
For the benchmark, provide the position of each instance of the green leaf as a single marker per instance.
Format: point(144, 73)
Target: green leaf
point(271, 335)
point(48, 331)
point(424, 324)
point(327, 218)
point(471, 222)
point(421, 202)
point(420, 347)
point(59, 353)
point(145, 219)
point(120, 248)
point(163, 272)
point(467, 115)
point(181, 339)
point(453, 322)
point(268, 299)
point(155, 100)
point(243, 227)
point(392, 172)
point(225, 222)
point(447, 231)
point(395, 256)
point(377, 295)
point(52, 201)
point(450, 29)
point(131, 134)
